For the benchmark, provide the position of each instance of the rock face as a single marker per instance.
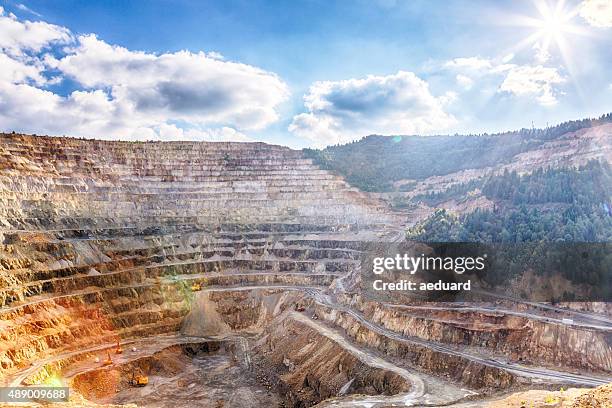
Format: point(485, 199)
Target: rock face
point(155, 244)
point(104, 241)
point(63, 183)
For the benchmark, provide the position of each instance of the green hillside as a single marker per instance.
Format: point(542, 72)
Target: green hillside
point(554, 205)
point(374, 163)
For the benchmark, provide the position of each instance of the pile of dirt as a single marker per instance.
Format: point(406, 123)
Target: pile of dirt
point(600, 397)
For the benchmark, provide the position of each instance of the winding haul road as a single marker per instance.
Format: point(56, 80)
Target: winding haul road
point(418, 389)
point(417, 386)
point(517, 369)
point(501, 311)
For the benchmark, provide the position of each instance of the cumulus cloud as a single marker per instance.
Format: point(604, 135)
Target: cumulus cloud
point(340, 111)
point(92, 114)
point(128, 94)
point(17, 37)
point(30, 109)
point(19, 70)
point(21, 43)
point(597, 13)
point(535, 81)
point(195, 87)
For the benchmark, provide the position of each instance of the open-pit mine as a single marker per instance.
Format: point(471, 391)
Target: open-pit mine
point(185, 274)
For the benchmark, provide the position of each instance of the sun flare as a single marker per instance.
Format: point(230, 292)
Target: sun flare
point(554, 28)
point(553, 23)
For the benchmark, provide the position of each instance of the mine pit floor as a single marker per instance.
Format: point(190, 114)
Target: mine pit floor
point(214, 380)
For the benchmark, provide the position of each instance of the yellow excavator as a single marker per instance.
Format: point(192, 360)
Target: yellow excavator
point(108, 360)
point(118, 349)
point(196, 287)
point(138, 380)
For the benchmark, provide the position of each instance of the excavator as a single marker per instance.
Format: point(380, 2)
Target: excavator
point(196, 287)
point(108, 360)
point(138, 380)
point(118, 350)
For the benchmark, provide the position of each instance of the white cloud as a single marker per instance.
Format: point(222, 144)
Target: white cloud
point(198, 88)
point(128, 94)
point(25, 8)
point(17, 36)
point(92, 114)
point(19, 70)
point(464, 81)
point(597, 13)
point(478, 66)
point(470, 63)
point(537, 81)
point(448, 98)
point(341, 111)
point(29, 109)
point(541, 52)
point(20, 42)
point(172, 132)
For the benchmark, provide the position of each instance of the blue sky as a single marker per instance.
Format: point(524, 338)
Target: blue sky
point(303, 73)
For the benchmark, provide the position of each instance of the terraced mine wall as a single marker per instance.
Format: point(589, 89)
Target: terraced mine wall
point(513, 335)
point(133, 251)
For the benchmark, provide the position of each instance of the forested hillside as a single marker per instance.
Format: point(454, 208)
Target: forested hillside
point(567, 204)
point(537, 221)
point(374, 163)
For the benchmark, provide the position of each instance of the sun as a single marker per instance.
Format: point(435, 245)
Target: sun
point(553, 23)
point(553, 30)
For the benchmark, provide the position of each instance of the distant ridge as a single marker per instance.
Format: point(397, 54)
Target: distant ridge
point(377, 163)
